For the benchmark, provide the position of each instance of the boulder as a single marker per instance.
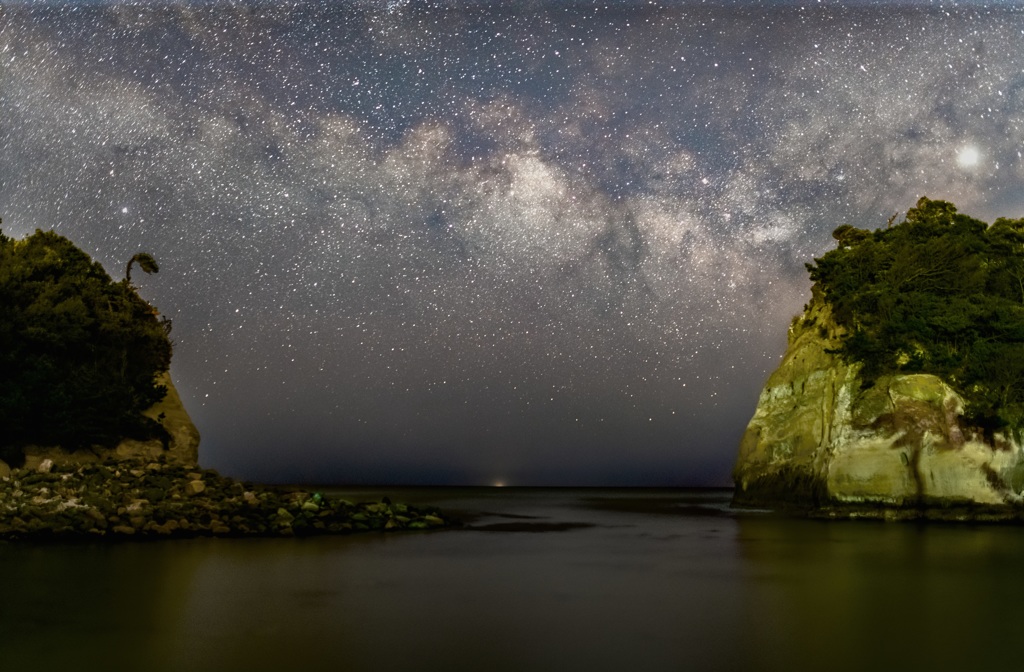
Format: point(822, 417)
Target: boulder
point(823, 440)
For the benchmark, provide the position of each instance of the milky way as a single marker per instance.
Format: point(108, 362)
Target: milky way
point(537, 242)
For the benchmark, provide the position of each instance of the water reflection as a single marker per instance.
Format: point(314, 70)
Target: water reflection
point(648, 581)
point(857, 595)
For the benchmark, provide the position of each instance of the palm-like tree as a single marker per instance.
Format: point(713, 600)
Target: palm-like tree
point(146, 262)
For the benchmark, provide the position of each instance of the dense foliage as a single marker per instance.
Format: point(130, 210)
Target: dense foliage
point(78, 352)
point(939, 293)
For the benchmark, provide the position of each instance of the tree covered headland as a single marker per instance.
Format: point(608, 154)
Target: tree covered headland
point(79, 352)
point(939, 293)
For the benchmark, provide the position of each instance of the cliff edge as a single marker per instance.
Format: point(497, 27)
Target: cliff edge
point(829, 439)
point(821, 440)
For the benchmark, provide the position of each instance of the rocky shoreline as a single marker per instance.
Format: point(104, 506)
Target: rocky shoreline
point(144, 499)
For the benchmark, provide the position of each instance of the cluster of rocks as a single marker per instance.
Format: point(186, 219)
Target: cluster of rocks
point(143, 498)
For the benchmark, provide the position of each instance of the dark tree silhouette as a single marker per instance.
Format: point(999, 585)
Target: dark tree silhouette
point(939, 293)
point(79, 353)
point(146, 262)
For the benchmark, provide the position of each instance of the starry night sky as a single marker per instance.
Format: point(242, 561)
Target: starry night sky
point(539, 242)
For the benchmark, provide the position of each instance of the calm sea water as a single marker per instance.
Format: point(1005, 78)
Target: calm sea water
point(540, 580)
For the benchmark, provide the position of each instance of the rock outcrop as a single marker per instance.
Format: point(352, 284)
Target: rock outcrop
point(142, 489)
point(135, 498)
point(822, 441)
point(182, 449)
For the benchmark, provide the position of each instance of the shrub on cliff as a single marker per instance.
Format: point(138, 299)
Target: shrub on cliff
point(940, 293)
point(79, 352)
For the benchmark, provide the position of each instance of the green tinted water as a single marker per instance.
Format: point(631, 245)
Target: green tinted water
point(663, 580)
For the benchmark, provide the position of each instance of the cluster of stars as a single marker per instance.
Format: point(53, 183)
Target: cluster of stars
point(491, 235)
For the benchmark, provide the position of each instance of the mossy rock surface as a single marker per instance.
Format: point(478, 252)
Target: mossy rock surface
point(899, 389)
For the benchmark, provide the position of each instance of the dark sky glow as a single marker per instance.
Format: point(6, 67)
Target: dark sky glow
point(538, 242)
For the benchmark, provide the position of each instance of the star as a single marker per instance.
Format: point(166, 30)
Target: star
point(418, 242)
point(968, 157)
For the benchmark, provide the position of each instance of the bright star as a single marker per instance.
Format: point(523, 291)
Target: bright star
point(968, 157)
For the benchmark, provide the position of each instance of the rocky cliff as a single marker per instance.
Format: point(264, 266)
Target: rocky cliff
point(820, 440)
point(182, 449)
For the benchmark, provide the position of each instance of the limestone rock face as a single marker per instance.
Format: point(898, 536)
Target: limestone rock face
point(183, 448)
point(820, 440)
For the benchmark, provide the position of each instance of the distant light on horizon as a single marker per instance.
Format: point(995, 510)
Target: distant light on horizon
point(419, 243)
